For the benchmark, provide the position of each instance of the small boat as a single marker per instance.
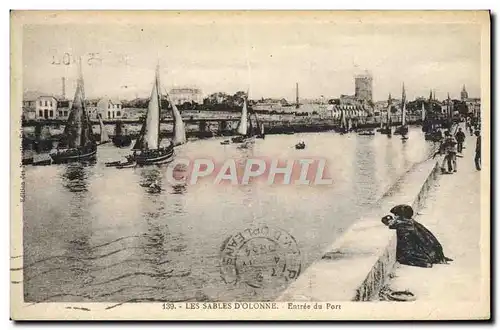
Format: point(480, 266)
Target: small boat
point(300, 145)
point(77, 137)
point(126, 165)
point(366, 133)
point(238, 139)
point(225, 142)
point(112, 164)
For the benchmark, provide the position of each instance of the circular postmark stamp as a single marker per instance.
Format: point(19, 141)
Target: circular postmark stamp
point(260, 256)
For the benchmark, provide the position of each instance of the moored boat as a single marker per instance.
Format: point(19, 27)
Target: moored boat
point(147, 149)
point(78, 138)
point(300, 145)
point(403, 129)
point(247, 130)
point(366, 132)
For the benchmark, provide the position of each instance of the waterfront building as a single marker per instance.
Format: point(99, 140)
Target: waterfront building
point(109, 108)
point(351, 111)
point(363, 87)
point(29, 113)
point(349, 100)
point(182, 95)
point(63, 108)
point(46, 107)
point(473, 105)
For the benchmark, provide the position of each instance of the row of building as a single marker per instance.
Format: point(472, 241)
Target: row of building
point(58, 107)
point(53, 107)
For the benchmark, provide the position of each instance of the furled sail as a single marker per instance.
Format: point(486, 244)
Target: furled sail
point(179, 129)
point(423, 112)
point(104, 134)
point(243, 125)
point(149, 137)
point(78, 129)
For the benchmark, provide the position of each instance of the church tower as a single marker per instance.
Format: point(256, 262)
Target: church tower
point(463, 94)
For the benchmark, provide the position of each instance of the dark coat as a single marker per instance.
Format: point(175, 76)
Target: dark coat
point(416, 245)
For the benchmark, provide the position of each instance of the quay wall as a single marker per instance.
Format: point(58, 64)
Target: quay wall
point(357, 265)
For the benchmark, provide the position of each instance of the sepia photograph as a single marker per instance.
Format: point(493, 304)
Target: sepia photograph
point(250, 165)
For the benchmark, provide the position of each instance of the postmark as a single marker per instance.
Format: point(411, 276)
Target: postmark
point(260, 256)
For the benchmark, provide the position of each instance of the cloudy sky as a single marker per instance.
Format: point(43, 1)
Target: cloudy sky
point(265, 56)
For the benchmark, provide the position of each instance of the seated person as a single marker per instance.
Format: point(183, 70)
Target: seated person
point(416, 245)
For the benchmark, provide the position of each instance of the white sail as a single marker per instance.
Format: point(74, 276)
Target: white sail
point(403, 120)
point(104, 133)
point(243, 126)
point(179, 129)
point(262, 129)
point(152, 130)
point(423, 112)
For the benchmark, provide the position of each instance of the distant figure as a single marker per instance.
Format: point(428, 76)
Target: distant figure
point(460, 136)
point(416, 245)
point(450, 149)
point(477, 157)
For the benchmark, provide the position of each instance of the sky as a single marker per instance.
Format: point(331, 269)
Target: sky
point(264, 57)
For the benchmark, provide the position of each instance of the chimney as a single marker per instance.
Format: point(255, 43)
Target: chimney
point(63, 88)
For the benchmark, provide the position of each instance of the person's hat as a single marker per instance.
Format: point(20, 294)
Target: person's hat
point(403, 210)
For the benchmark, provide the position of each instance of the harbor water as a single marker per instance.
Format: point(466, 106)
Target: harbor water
point(96, 233)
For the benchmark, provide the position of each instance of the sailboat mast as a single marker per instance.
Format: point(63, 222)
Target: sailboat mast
point(159, 101)
point(296, 95)
point(403, 109)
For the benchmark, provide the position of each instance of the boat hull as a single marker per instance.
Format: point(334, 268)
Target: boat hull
point(73, 155)
point(155, 157)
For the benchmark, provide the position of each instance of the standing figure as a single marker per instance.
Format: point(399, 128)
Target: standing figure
point(460, 136)
point(450, 148)
point(477, 158)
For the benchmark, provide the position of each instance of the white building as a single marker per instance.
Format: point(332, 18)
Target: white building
point(46, 107)
point(109, 108)
point(182, 95)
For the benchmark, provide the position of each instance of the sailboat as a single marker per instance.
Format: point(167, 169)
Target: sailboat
point(78, 139)
point(403, 129)
point(121, 138)
point(179, 128)
point(104, 137)
point(388, 129)
point(245, 129)
point(147, 148)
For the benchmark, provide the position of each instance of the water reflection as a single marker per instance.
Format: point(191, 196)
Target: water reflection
point(134, 234)
point(75, 178)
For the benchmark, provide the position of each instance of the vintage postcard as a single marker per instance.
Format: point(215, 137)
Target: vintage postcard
point(250, 165)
